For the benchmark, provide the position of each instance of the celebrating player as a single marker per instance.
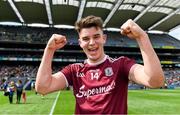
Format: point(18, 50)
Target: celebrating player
point(100, 84)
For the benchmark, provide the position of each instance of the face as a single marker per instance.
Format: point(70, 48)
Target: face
point(92, 41)
point(12, 83)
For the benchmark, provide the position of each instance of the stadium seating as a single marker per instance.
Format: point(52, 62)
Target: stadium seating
point(42, 35)
point(24, 45)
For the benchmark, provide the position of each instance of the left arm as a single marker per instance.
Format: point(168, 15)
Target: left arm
point(151, 74)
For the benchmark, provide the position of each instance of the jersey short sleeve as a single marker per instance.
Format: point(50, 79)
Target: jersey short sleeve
point(127, 64)
point(68, 73)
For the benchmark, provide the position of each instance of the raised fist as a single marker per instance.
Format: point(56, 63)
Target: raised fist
point(132, 30)
point(56, 42)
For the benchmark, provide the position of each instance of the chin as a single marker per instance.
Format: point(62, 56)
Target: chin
point(93, 58)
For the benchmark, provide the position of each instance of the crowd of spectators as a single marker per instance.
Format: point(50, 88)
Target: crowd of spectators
point(42, 35)
point(33, 35)
point(172, 77)
point(18, 71)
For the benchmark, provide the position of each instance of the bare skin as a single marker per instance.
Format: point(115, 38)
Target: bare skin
point(151, 74)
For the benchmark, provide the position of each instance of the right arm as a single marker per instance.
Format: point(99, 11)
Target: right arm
point(45, 81)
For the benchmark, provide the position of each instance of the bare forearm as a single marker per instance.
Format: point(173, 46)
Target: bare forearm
point(152, 66)
point(44, 73)
point(151, 73)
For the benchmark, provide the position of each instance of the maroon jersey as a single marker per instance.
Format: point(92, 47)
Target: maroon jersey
point(100, 88)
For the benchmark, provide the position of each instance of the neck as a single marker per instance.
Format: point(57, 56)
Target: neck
point(96, 61)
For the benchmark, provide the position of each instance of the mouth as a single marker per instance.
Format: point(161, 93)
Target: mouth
point(93, 50)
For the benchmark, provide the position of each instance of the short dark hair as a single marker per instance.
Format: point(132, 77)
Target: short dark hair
point(89, 21)
point(19, 81)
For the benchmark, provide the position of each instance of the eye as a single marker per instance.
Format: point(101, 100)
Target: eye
point(96, 37)
point(85, 39)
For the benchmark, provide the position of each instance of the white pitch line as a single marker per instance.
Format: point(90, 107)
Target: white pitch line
point(54, 104)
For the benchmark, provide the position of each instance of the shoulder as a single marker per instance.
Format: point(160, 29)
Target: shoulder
point(74, 66)
point(121, 58)
point(122, 61)
point(78, 64)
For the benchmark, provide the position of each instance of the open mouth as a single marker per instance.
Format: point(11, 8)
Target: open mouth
point(93, 50)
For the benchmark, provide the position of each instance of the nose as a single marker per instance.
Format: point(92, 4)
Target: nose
point(91, 42)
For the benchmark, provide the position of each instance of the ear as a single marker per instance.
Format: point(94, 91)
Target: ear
point(79, 41)
point(105, 38)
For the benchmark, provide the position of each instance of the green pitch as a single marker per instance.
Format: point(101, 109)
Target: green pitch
point(154, 102)
point(139, 102)
point(35, 104)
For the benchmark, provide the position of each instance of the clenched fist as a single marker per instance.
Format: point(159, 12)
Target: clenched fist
point(132, 30)
point(56, 42)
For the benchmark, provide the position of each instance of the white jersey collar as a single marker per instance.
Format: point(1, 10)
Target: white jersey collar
point(97, 63)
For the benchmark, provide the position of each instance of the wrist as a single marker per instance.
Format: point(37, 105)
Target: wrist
point(49, 49)
point(142, 37)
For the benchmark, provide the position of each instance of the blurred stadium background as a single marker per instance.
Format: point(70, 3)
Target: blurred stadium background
point(26, 26)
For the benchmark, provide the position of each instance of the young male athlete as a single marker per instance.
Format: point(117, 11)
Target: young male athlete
point(100, 84)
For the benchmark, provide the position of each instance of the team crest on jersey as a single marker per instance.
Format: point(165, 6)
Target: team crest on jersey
point(108, 71)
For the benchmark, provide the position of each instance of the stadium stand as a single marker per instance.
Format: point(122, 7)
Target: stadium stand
point(21, 50)
point(21, 47)
point(172, 77)
point(42, 35)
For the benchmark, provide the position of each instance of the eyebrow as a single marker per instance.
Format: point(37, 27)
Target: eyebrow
point(96, 34)
point(93, 35)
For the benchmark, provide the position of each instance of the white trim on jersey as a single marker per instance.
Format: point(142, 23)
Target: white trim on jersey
point(67, 84)
point(114, 59)
point(94, 64)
